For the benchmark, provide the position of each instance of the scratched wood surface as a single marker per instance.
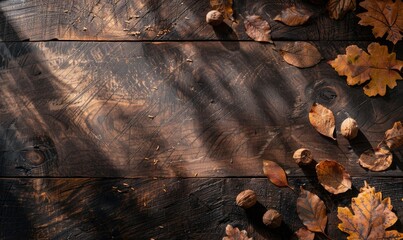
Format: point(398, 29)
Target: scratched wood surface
point(159, 20)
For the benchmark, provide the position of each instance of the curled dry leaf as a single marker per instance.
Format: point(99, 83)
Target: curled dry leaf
point(257, 28)
point(304, 234)
point(223, 6)
point(369, 216)
point(235, 234)
point(333, 176)
point(379, 66)
point(312, 211)
point(275, 173)
point(376, 160)
point(394, 136)
point(322, 119)
point(300, 54)
point(294, 16)
point(385, 16)
point(338, 8)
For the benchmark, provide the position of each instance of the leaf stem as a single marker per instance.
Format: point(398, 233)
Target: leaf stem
point(327, 236)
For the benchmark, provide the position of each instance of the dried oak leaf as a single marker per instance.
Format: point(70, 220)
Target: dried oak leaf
point(322, 119)
point(293, 16)
point(304, 234)
point(235, 234)
point(300, 54)
point(379, 66)
point(394, 136)
point(368, 217)
point(385, 16)
point(333, 176)
point(312, 211)
point(223, 6)
point(376, 160)
point(338, 8)
point(275, 173)
point(257, 28)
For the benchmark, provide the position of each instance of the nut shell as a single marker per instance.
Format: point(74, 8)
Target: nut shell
point(272, 218)
point(214, 18)
point(246, 199)
point(349, 128)
point(303, 156)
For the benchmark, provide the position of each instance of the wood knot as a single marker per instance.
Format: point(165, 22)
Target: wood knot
point(326, 95)
point(36, 157)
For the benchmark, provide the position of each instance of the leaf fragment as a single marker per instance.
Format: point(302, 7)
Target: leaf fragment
point(304, 234)
point(369, 216)
point(338, 8)
point(293, 16)
point(312, 211)
point(385, 16)
point(223, 6)
point(300, 54)
point(376, 160)
point(394, 136)
point(322, 119)
point(235, 234)
point(257, 28)
point(333, 176)
point(379, 66)
point(275, 173)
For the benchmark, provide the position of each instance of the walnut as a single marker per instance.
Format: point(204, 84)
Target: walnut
point(246, 199)
point(214, 18)
point(272, 218)
point(303, 156)
point(349, 128)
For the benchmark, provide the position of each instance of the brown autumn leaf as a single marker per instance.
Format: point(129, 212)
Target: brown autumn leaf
point(376, 160)
point(257, 28)
point(385, 16)
point(333, 176)
point(394, 136)
point(300, 54)
point(223, 6)
point(369, 216)
point(293, 16)
point(322, 119)
point(235, 234)
point(275, 173)
point(379, 66)
point(312, 211)
point(338, 8)
point(304, 234)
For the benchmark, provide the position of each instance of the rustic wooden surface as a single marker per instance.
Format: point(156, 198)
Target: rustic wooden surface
point(115, 133)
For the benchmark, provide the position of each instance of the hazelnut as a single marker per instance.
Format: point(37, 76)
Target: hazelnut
point(303, 156)
point(246, 199)
point(214, 18)
point(349, 128)
point(272, 218)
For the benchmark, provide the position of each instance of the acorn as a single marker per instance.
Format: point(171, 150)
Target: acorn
point(349, 128)
point(214, 18)
point(246, 199)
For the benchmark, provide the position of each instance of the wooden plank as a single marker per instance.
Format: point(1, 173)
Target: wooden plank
point(193, 208)
point(159, 20)
point(176, 109)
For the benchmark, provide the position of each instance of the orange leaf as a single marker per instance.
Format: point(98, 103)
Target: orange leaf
point(376, 159)
point(385, 16)
point(322, 119)
point(368, 217)
point(312, 211)
point(223, 6)
point(338, 8)
point(235, 234)
point(379, 66)
point(300, 54)
point(257, 28)
point(293, 16)
point(333, 176)
point(275, 173)
point(304, 234)
point(394, 136)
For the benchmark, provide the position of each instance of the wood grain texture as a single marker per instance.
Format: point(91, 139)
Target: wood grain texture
point(160, 20)
point(148, 208)
point(175, 109)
